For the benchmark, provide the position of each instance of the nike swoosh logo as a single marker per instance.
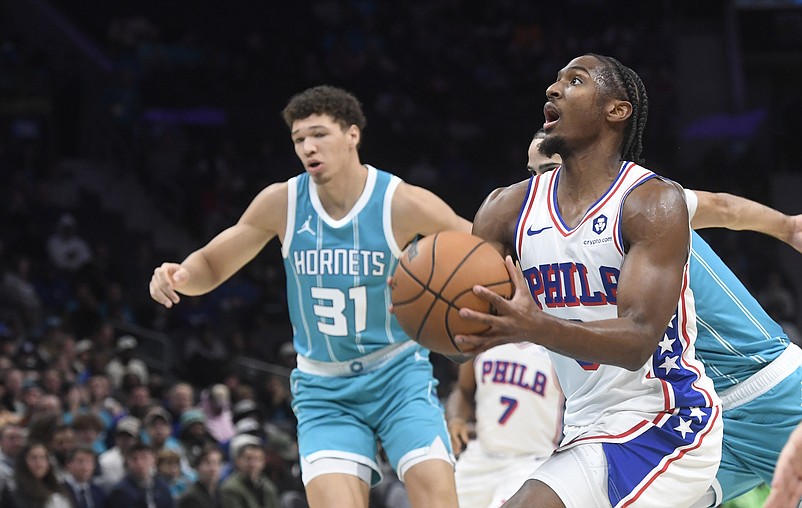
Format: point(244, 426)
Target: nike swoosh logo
point(532, 232)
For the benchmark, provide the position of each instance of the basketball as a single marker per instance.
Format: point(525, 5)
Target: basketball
point(434, 280)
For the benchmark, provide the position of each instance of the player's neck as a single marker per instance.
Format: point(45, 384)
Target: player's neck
point(584, 178)
point(339, 195)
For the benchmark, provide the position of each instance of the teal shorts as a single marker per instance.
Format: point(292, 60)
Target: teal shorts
point(342, 417)
point(754, 435)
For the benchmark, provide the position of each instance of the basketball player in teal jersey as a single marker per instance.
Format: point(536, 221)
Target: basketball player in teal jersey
point(342, 226)
point(755, 369)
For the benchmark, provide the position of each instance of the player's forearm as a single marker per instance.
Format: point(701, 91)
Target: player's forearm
point(459, 407)
point(202, 276)
point(620, 341)
point(737, 213)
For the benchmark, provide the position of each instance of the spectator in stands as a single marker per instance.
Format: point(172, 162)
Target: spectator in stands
point(204, 492)
point(52, 382)
point(216, 406)
point(83, 360)
point(112, 461)
point(28, 359)
point(78, 481)
point(139, 401)
point(12, 440)
point(168, 467)
point(14, 381)
point(180, 397)
point(66, 249)
point(17, 288)
point(101, 402)
point(61, 443)
point(278, 407)
point(35, 482)
point(124, 362)
point(158, 430)
point(193, 435)
point(140, 487)
point(8, 412)
point(89, 430)
point(247, 487)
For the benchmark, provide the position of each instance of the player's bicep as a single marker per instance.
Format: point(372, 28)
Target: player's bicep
point(418, 211)
point(708, 211)
point(235, 246)
point(657, 235)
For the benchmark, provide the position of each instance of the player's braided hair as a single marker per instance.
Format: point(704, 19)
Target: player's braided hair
point(625, 84)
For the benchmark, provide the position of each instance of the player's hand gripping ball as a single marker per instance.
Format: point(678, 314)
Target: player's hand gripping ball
point(434, 280)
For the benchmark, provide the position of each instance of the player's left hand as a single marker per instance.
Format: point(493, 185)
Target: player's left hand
point(516, 319)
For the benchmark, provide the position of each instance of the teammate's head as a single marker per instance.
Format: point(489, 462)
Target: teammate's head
point(595, 97)
point(539, 163)
point(338, 104)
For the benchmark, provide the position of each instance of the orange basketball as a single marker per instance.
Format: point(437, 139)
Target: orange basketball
point(434, 280)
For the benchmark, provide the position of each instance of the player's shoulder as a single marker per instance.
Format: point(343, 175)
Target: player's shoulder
point(659, 194)
point(273, 192)
point(506, 199)
point(269, 207)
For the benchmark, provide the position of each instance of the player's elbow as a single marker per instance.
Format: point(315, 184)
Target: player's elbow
point(637, 356)
point(635, 361)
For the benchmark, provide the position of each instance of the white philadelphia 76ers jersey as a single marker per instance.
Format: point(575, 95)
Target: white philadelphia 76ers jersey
point(573, 274)
point(519, 404)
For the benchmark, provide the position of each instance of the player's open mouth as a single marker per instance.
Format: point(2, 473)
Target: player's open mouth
point(551, 114)
point(313, 164)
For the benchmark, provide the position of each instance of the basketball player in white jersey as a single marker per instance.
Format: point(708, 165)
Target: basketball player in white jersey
point(604, 245)
point(754, 367)
point(342, 226)
point(513, 394)
point(474, 398)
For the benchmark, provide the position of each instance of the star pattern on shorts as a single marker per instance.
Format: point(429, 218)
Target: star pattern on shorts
point(670, 363)
point(666, 344)
point(684, 427)
point(697, 413)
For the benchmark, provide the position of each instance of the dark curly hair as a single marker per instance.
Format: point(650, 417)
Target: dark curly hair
point(340, 105)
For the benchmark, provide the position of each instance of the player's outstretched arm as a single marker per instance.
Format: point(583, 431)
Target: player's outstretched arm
point(657, 241)
point(722, 210)
point(461, 407)
point(786, 486)
point(418, 211)
point(226, 253)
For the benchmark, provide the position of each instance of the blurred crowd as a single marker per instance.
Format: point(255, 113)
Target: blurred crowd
point(452, 93)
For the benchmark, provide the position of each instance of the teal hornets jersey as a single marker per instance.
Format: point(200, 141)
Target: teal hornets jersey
point(337, 271)
point(735, 336)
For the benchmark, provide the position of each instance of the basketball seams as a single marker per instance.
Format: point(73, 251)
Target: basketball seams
point(430, 313)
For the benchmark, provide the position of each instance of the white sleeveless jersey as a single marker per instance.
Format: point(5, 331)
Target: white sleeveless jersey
point(519, 404)
point(573, 274)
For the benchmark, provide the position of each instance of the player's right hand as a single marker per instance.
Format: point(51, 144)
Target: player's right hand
point(166, 279)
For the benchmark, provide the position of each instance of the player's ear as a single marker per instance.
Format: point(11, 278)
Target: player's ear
point(354, 135)
point(619, 111)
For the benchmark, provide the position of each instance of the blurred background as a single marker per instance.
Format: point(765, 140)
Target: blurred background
point(133, 131)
